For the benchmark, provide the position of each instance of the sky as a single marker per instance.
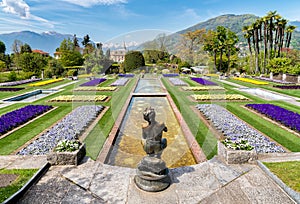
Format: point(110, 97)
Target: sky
point(133, 20)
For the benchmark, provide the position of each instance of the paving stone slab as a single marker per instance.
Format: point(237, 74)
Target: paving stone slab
point(111, 183)
point(27, 162)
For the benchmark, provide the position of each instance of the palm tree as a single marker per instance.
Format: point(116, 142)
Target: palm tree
point(289, 30)
point(248, 36)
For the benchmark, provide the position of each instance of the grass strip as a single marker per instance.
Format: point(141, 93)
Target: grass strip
point(23, 177)
point(288, 172)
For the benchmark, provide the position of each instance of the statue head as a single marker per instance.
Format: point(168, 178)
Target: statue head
point(149, 114)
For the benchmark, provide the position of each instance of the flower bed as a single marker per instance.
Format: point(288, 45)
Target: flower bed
point(177, 82)
point(103, 88)
point(274, 80)
point(252, 81)
point(236, 156)
point(279, 114)
point(93, 82)
point(16, 83)
point(67, 152)
point(14, 119)
point(287, 87)
point(126, 75)
point(42, 83)
point(202, 88)
point(120, 82)
point(11, 89)
point(203, 81)
point(69, 128)
point(79, 98)
point(217, 97)
point(170, 75)
point(235, 129)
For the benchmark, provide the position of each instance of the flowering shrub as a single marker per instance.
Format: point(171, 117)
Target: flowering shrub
point(93, 82)
point(202, 88)
point(69, 128)
point(234, 128)
point(230, 97)
point(120, 82)
point(106, 88)
point(279, 114)
point(252, 81)
point(203, 81)
point(79, 98)
point(20, 116)
point(11, 89)
point(177, 82)
point(67, 146)
point(16, 83)
point(42, 83)
point(170, 75)
point(237, 144)
point(287, 87)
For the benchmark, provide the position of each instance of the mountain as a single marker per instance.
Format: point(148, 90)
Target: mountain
point(231, 21)
point(47, 41)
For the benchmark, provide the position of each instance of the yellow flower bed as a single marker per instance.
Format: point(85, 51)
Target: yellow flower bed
point(229, 97)
point(202, 88)
point(103, 88)
point(212, 75)
point(77, 98)
point(84, 75)
point(42, 83)
point(252, 81)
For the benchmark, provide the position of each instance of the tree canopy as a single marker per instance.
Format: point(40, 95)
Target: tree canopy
point(133, 60)
point(2, 47)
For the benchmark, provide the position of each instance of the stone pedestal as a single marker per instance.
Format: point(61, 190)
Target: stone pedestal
point(152, 175)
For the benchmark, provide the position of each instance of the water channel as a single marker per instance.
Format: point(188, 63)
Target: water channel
point(128, 150)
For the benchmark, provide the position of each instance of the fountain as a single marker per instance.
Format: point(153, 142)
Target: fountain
point(152, 173)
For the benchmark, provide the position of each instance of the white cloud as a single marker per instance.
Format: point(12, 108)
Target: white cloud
point(17, 7)
point(89, 3)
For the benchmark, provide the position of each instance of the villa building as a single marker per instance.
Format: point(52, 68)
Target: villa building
point(118, 55)
point(41, 52)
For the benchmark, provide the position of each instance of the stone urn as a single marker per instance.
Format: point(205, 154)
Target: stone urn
point(67, 158)
point(231, 156)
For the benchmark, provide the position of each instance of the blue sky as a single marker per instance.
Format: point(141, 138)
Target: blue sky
point(106, 19)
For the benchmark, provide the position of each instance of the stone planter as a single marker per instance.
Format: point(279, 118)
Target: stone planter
point(231, 156)
point(67, 158)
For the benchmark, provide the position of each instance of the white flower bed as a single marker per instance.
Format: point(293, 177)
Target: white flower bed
point(120, 82)
point(69, 128)
point(177, 82)
point(235, 129)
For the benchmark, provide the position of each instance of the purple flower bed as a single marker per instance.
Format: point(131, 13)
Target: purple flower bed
point(120, 82)
point(20, 116)
point(288, 118)
point(11, 89)
point(203, 81)
point(69, 128)
point(93, 82)
point(274, 80)
point(287, 87)
point(126, 75)
point(16, 83)
point(170, 75)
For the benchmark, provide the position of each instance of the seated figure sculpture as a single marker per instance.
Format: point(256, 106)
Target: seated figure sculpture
point(152, 140)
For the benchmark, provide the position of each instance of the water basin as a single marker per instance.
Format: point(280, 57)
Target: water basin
point(127, 150)
point(149, 86)
point(31, 96)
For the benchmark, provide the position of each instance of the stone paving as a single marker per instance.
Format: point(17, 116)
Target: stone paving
point(95, 182)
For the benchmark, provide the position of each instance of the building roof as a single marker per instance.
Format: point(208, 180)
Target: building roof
point(40, 52)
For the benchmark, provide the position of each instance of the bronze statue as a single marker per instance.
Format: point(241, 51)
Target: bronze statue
point(152, 172)
point(152, 134)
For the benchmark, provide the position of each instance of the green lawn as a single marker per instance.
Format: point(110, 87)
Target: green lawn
point(288, 172)
point(23, 177)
